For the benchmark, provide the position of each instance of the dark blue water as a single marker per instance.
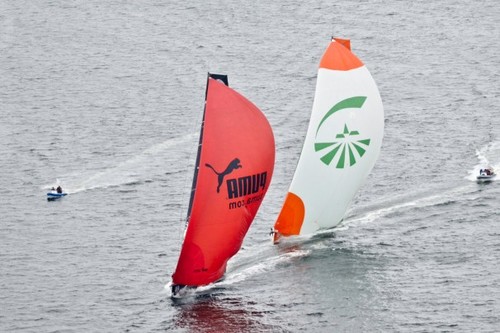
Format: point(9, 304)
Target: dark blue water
point(106, 98)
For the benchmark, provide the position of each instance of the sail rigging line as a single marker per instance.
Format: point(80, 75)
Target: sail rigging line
point(197, 163)
point(224, 79)
point(185, 212)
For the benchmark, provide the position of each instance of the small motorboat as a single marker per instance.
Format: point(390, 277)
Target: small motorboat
point(486, 175)
point(51, 196)
point(54, 195)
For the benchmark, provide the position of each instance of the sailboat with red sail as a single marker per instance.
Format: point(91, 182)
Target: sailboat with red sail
point(233, 171)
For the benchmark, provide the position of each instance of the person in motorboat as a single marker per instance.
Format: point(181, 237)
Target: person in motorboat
point(59, 189)
point(486, 173)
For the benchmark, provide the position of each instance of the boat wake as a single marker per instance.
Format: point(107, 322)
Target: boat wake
point(263, 265)
point(487, 156)
point(255, 261)
point(138, 169)
point(466, 192)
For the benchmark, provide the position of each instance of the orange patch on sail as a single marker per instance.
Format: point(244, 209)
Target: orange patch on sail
point(291, 216)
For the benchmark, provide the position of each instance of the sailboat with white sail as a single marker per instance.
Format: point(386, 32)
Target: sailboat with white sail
point(341, 146)
point(234, 167)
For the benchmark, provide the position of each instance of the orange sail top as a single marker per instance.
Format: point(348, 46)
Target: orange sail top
point(339, 57)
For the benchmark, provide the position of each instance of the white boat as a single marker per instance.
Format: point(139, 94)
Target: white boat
point(341, 146)
point(486, 175)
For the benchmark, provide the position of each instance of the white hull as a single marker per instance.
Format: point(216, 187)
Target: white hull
point(487, 178)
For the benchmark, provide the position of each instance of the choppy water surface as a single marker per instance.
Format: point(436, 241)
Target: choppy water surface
point(106, 98)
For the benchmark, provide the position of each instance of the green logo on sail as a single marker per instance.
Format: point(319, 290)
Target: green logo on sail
point(345, 143)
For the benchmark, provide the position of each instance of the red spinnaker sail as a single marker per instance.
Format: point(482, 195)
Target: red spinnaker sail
point(236, 162)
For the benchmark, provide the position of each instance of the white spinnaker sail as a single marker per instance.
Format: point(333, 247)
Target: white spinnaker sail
point(342, 143)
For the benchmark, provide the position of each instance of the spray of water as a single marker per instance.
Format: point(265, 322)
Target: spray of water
point(488, 156)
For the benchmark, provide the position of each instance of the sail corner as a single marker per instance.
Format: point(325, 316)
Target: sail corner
point(219, 77)
point(344, 42)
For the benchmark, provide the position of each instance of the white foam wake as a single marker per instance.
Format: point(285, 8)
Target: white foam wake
point(422, 201)
point(130, 171)
point(236, 275)
point(263, 266)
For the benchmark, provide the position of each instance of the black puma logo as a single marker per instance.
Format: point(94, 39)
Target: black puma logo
point(235, 164)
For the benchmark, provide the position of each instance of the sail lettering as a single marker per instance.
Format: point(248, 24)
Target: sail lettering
point(238, 187)
point(245, 202)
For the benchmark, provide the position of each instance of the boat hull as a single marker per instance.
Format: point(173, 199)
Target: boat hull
point(181, 291)
point(55, 196)
point(485, 179)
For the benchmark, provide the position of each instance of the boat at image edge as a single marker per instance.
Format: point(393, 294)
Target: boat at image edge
point(486, 175)
point(341, 146)
point(233, 171)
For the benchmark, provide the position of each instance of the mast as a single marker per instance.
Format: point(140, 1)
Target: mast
point(224, 79)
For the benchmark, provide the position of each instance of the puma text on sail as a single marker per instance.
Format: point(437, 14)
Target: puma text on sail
point(238, 187)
